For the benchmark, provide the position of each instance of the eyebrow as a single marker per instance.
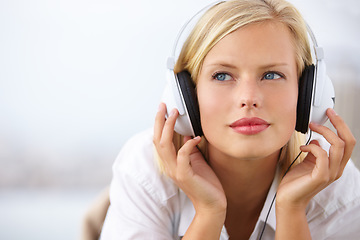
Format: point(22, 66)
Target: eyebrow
point(222, 64)
point(228, 65)
point(274, 65)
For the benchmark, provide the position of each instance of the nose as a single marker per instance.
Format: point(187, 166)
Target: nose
point(248, 94)
point(249, 103)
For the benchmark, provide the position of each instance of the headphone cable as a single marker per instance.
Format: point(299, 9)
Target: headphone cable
point(273, 200)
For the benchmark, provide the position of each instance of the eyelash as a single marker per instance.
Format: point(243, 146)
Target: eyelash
point(216, 74)
point(274, 72)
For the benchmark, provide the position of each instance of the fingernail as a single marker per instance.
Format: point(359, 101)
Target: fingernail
point(160, 107)
point(172, 113)
point(197, 138)
point(315, 124)
point(332, 111)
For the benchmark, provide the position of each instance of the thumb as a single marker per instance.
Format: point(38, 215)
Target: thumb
point(185, 151)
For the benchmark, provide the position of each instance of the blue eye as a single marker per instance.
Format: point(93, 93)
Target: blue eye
point(221, 76)
point(272, 76)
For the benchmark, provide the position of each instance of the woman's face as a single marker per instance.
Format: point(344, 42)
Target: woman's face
point(247, 91)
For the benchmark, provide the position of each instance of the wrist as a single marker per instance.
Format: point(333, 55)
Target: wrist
point(211, 208)
point(206, 225)
point(290, 209)
point(218, 215)
point(288, 204)
point(291, 221)
point(213, 212)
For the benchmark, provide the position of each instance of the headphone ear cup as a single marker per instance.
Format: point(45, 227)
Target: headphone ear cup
point(305, 93)
point(323, 95)
point(187, 88)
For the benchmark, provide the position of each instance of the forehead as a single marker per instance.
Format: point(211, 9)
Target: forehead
point(261, 42)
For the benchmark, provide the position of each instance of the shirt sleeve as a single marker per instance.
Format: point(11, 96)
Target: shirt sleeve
point(346, 225)
point(343, 224)
point(134, 213)
point(337, 209)
point(139, 209)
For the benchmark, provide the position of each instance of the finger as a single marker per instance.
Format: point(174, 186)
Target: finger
point(344, 133)
point(314, 141)
point(166, 144)
point(195, 149)
point(321, 170)
point(310, 157)
point(163, 139)
point(345, 140)
point(336, 151)
point(183, 159)
point(329, 135)
point(159, 123)
point(168, 130)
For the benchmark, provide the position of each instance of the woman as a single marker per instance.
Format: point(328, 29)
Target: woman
point(245, 58)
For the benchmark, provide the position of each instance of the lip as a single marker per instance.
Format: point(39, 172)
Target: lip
point(249, 126)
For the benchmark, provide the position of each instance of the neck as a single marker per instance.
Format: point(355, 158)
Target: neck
point(246, 182)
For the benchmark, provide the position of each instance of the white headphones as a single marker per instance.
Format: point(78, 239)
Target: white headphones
point(316, 92)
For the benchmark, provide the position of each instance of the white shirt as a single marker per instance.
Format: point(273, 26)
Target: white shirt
point(148, 205)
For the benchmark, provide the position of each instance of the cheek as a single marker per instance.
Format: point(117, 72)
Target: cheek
point(211, 105)
point(282, 109)
point(286, 104)
point(207, 104)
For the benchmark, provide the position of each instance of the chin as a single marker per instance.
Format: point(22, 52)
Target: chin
point(248, 149)
point(253, 154)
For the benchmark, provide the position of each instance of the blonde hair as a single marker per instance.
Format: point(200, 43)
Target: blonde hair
point(228, 16)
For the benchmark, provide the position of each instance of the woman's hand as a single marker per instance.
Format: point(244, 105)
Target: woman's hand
point(190, 172)
point(318, 170)
point(187, 167)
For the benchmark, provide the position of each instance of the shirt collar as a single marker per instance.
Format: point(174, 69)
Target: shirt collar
point(187, 213)
point(270, 202)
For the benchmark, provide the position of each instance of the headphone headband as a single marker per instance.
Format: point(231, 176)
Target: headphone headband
point(177, 39)
point(316, 92)
point(318, 51)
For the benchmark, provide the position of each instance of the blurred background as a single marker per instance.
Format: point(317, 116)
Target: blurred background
point(78, 78)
